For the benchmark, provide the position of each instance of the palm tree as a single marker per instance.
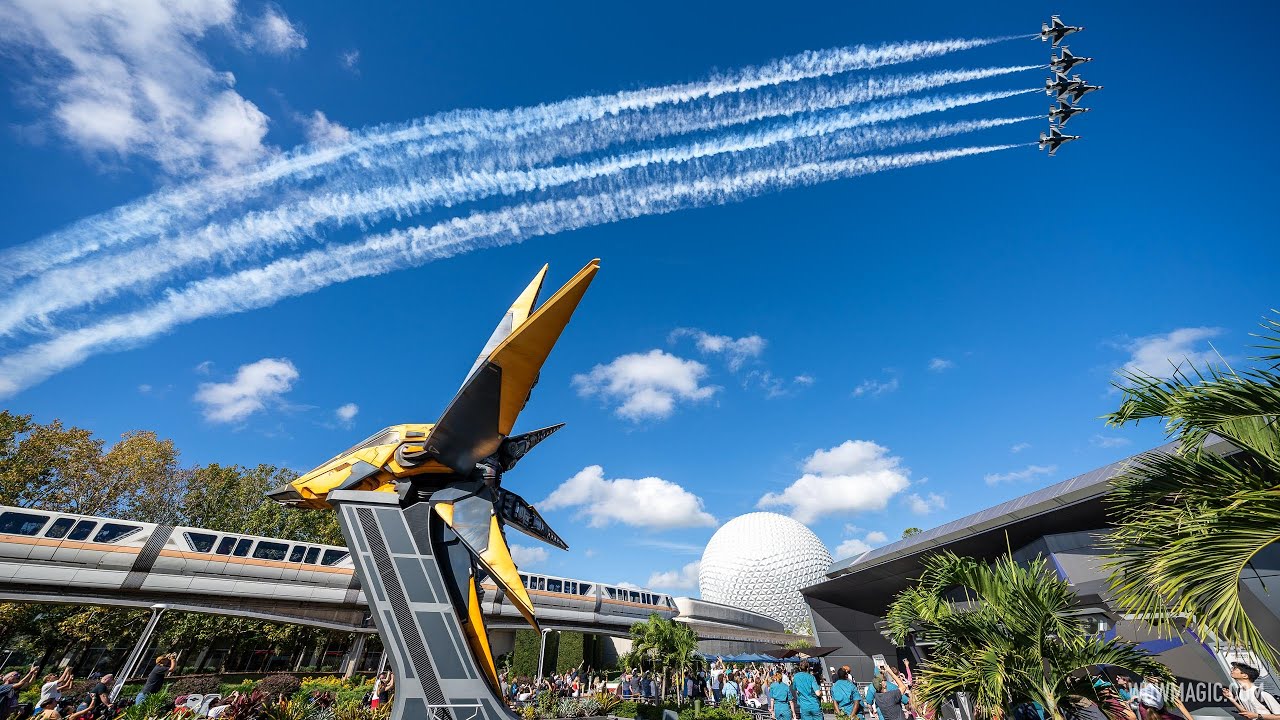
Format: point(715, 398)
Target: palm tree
point(1003, 635)
point(1188, 522)
point(665, 644)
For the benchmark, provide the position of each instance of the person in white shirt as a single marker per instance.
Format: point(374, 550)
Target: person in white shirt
point(54, 686)
point(1252, 701)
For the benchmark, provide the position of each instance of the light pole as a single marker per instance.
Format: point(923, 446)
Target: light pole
point(135, 657)
point(542, 655)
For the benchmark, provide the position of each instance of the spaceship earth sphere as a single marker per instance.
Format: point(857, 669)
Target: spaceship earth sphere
point(759, 562)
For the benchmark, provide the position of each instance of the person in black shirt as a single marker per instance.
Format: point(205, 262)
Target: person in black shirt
point(164, 665)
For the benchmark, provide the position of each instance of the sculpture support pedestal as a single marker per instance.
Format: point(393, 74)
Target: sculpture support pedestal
point(437, 678)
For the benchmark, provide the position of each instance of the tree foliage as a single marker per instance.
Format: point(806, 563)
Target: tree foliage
point(1003, 636)
point(1188, 522)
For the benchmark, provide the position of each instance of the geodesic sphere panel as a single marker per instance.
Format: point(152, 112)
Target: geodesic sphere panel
point(759, 562)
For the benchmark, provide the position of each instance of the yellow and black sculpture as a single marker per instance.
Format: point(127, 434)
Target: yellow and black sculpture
point(423, 511)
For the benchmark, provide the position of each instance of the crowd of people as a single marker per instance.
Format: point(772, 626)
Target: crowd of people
point(54, 702)
point(799, 692)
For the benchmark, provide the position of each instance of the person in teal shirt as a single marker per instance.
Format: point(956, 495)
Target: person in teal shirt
point(845, 694)
point(805, 688)
point(780, 698)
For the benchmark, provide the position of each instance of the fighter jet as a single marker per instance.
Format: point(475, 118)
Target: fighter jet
point(1058, 85)
point(1078, 89)
point(1054, 139)
point(1065, 60)
point(1064, 112)
point(1057, 30)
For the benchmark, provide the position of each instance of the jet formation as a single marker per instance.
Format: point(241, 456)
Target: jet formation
point(1068, 91)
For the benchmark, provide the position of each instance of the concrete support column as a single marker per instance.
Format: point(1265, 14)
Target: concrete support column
point(353, 656)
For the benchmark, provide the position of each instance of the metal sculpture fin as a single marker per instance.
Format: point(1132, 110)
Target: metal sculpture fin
point(517, 446)
point(516, 315)
point(483, 412)
point(519, 514)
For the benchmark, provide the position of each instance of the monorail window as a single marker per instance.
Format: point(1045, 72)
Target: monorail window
point(15, 523)
point(82, 530)
point(224, 547)
point(312, 554)
point(112, 532)
point(571, 587)
point(613, 594)
point(554, 586)
point(200, 542)
point(635, 596)
point(584, 589)
point(333, 557)
point(295, 555)
point(270, 551)
point(242, 547)
point(524, 580)
point(644, 598)
point(542, 583)
point(59, 528)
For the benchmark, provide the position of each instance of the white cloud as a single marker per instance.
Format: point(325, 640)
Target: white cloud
point(1027, 473)
point(275, 34)
point(347, 412)
point(1019, 447)
point(646, 385)
point(647, 502)
point(735, 350)
point(941, 364)
point(855, 476)
point(144, 388)
point(851, 547)
point(683, 579)
point(925, 504)
point(255, 385)
point(876, 387)
point(320, 129)
point(127, 77)
point(525, 555)
point(1157, 355)
point(1109, 441)
point(858, 545)
point(350, 59)
point(803, 380)
point(628, 585)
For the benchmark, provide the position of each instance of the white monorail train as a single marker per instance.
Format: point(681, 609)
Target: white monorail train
point(95, 554)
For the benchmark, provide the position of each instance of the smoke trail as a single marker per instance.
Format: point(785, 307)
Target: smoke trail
point(161, 212)
point(261, 287)
point(84, 283)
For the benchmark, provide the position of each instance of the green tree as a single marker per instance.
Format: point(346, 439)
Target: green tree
point(1009, 640)
point(911, 531)
point(229, 498)
point(1188, 522)
point(665, 645)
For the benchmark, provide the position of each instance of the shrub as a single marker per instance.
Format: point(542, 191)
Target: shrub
point(154, 706)
point(290, 710)
point(195, 685)
point(606, 703)
point(624, 709)
point(246, 707)
point(590, 706)
point(275, 685)
point(569, 708)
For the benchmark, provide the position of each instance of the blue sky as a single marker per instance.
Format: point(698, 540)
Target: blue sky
point(884, 351)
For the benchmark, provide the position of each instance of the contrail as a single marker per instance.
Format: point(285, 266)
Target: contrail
point(312, 271)
point(164, 211)
point(84, 283)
